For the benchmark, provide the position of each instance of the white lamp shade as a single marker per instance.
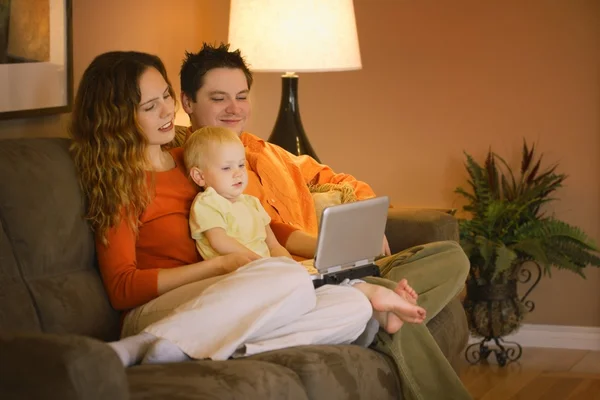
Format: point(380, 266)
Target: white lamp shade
point(295, 35)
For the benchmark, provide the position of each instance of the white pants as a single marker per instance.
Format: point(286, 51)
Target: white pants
point(266, 305)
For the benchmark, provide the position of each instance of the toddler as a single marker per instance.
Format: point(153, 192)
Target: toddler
point(223, 219)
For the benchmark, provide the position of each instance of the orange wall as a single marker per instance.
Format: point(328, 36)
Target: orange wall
point(438, 78)
point(441, 77)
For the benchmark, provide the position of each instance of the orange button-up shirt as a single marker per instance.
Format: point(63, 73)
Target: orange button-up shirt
point(280, 181)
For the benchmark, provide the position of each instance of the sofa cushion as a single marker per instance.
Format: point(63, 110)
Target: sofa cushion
point(338, 372)
point(223, 380)
point(47, 245)
point(65, 367)
point(16, 308)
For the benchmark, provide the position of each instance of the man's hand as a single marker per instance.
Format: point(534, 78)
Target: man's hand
point(386, 247)
point(302, 244)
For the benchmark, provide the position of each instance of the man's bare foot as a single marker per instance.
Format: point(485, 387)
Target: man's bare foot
point(391, 309)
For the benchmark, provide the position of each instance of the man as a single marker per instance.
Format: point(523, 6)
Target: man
point(215, 84)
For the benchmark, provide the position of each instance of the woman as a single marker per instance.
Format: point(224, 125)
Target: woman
point(139, 197)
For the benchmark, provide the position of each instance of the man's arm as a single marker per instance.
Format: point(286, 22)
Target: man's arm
point(301, 244)
point(275, 248)
point(224, 244)
point(315, 173)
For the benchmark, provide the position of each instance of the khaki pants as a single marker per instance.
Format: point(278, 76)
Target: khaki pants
point(437, 272)
point(266, 305)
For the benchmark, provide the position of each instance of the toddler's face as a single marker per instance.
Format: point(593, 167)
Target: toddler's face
point(225, 170)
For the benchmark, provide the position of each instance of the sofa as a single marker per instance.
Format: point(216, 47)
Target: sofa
point(55, 315)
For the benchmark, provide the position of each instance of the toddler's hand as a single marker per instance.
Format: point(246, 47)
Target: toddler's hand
point(251, 255)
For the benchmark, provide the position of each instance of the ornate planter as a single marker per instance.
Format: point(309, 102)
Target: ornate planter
point(494, 311)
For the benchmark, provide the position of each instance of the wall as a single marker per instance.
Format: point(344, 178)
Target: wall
point(438, 78)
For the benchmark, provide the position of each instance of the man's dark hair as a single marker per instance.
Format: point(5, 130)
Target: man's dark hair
point(196, 65)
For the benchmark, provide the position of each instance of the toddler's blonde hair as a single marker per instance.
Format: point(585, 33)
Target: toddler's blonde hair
point(197, 145)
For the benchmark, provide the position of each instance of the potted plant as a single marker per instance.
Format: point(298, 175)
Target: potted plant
point(509, 226)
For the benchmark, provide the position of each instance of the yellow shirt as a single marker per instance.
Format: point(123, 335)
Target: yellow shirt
point(243, 220)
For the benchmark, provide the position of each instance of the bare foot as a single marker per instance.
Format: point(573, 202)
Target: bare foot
point(406, 291)
point(389, 321)
point(391, 309)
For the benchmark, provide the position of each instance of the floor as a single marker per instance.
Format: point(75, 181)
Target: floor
point(548, 374)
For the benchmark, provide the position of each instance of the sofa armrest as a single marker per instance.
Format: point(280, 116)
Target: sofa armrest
point(411, 227)
point(41, 366)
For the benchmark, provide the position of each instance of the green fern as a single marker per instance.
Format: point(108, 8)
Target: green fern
point(505, 258)
point(508, 226)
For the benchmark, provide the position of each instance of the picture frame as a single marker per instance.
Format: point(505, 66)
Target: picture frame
point(36, 58)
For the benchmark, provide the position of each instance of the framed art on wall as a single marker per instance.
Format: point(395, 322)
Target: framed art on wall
point(36, 61)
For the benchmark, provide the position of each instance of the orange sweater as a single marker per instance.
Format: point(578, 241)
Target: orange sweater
point(129, 265)
point(280, 180)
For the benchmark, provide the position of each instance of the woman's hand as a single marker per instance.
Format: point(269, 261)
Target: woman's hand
point(171, 278)
point(233, 261)
point(280, 251)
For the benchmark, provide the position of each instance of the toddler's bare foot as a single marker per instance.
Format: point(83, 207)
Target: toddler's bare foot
point(389, 321)
point(390, 308)
point(406, 291)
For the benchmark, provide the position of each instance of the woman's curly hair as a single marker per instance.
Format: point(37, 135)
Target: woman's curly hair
point(108, 144)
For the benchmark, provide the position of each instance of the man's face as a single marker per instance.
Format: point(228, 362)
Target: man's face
point(221, 101)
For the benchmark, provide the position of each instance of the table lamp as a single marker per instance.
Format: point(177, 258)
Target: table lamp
point(299, 36)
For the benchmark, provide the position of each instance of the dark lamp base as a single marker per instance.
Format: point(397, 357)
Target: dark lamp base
point(288, 132)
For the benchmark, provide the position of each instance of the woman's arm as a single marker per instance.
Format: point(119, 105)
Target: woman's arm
point(128, 286)
point(172, 278)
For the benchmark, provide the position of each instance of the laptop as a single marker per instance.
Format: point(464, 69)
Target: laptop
point(350, 238)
